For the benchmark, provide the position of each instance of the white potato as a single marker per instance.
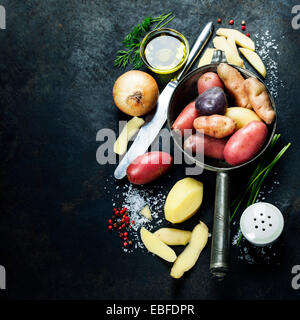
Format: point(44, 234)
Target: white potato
point(156, 246)
point(221, 43)
point(188, 258)
point(255, 60)
point(241, 39)
point(130, 129)
point(173, 237)
point(146, 212)
point(207, 57)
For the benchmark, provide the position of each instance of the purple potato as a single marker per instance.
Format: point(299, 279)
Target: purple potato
point(212, 101)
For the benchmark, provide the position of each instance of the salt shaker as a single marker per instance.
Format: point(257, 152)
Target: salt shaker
point(261, 223)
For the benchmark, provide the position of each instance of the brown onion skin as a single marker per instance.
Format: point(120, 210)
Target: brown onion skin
point(148, 167)
point(135, 93)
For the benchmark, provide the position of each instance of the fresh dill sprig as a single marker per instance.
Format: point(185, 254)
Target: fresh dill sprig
point(132, 42)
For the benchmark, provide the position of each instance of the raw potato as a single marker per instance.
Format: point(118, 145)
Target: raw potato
point(130, 129)
point(207, 57)
point(200, 143)
point(241, 116)
point(188, 258)
point(259, 99)
point(173, 237)
point(186, 119)
point(149, 167)
point(215, 126)
point(232, 57)
point(234, 83)
point(156, 246)
point(146, 212)
point(244, 144)
point(183, 200)
point(233, 46)
point(208, 80)
point(241, 39)
point(254, 60)
point(212, 101)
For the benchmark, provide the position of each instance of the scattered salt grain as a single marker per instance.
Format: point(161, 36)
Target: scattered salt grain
point(267, 49)
point(236, 238)
point(135, 199)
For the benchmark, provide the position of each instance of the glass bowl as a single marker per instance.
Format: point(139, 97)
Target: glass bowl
point(156, 33)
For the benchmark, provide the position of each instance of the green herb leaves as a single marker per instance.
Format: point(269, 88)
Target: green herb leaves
point(257, 178)
point(132, 42)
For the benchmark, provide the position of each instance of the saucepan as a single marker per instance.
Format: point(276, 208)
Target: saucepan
point(185, 92)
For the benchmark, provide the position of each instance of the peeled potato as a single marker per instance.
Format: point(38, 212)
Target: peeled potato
point(156, 246)
point(241, 116)
point(207, 57)
point(234, 48)
point(146, 212)
point(238, 37)
point(183, 200)
point(130, 129)
point(254, 60)
point(188, 258)
point(232, 57)
point(173, 237)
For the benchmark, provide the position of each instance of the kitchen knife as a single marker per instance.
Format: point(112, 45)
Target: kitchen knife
point(149, 131)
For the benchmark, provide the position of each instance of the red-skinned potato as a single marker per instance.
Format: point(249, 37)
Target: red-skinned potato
point(209, 80)
point(212, 147)
point(245, 143)
point(149, 167)
point(186, 118)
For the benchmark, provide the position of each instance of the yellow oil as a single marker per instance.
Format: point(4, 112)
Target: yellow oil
point(165, 52)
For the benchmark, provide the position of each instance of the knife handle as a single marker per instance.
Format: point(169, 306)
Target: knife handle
point(197, 48)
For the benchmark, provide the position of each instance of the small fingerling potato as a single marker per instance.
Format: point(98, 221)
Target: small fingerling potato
point(215, 126)
point(259, 99)
point(186, 118)
point(148, 167)
point(173, 237)
point(211, 147)
point(212, 101)
point(234, 84)
point(189, 256)
point(241, 116)
point(209, 80)
point(156, 246)
point(244, 144)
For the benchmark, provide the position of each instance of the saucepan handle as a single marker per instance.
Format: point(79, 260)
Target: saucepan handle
point(218, 57)
point(219, 259)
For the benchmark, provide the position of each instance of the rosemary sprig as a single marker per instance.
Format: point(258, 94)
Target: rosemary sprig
point(132, 42)
point(257, 178)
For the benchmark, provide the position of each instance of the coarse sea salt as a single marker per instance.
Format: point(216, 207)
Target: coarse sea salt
point(267, 49)
point(135, 199)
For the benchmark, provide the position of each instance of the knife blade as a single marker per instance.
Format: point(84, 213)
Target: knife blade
point(149, 131)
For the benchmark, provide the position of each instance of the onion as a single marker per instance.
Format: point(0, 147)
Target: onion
point(135, 93)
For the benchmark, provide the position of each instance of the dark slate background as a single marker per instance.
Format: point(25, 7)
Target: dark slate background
point(56, 78)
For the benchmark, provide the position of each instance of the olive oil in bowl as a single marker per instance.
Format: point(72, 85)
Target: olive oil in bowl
point(164, 51)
